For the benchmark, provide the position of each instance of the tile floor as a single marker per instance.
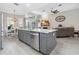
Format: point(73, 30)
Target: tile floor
point(65, 46)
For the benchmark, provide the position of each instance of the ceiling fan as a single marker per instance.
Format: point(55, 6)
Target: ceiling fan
point(17, 4)
point(55, 11)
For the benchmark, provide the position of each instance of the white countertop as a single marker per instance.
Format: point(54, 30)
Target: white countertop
point(40, 30)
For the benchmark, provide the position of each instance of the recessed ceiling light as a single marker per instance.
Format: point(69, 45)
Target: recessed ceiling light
point(43, 10)
point(28, 5)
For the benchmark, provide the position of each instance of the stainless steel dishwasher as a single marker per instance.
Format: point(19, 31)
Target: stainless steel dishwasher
point(35, 40)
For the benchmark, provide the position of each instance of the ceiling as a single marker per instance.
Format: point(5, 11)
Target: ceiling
point(23, 8)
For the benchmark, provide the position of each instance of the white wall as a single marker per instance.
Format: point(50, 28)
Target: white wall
point(72, 19)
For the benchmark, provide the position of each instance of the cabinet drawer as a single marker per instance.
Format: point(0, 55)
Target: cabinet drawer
point(27, 35)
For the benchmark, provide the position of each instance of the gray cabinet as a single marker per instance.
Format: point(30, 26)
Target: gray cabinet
point(20, 34)
point(43, 42)
point(25, 36)
point(47, 42)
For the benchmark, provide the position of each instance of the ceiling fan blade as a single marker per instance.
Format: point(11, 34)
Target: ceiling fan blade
point(55, 11)
point(16, 4)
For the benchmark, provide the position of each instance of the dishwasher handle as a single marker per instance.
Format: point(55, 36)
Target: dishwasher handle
point(32, 35)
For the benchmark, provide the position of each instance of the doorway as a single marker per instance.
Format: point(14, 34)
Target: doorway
point(10, 26)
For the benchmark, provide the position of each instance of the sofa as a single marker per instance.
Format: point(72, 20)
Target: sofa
point(65, 32)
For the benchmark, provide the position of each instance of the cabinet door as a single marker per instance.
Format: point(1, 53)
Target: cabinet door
point(26, 37)
point(32, 38)
point(47, 42)
point(20, 35)
point(43, 43)
point(51, 42)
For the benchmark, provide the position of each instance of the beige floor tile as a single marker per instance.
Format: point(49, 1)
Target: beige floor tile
point(65, 46)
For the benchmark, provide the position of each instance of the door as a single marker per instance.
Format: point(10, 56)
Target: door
point(0, 31)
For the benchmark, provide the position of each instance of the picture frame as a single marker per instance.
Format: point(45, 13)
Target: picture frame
point(60, 18)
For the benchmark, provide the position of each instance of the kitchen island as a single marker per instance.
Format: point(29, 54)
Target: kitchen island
point(42, 40)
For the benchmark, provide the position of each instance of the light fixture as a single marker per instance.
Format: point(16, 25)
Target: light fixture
point(54, 11)
point(16, 4)
point(44, 15)
point(60, 5)
point(28, 5)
